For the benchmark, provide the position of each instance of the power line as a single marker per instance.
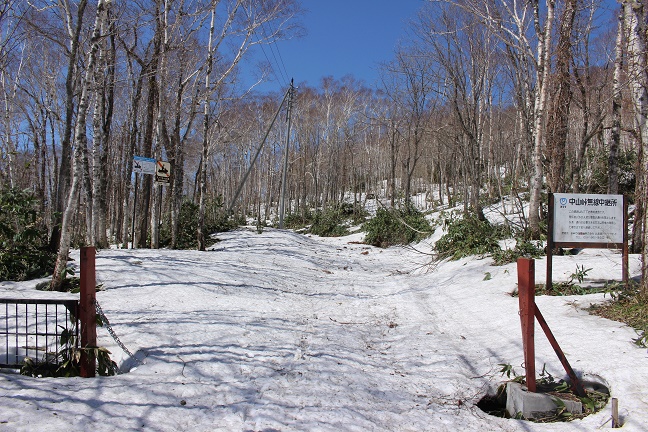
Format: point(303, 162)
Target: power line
point(273, 46)
point(279, 63)
point(272, 67)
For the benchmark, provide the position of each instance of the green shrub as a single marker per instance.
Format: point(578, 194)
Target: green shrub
point(215, 221)
point(396, 226)
point(329, 223)
point(187, 227)
point(523, 248)
point(24, 250)
point(353, 212)
point(216, 218)
point(298, 220)
point(468, 236)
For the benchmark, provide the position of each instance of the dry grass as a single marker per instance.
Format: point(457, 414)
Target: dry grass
point(628, 307)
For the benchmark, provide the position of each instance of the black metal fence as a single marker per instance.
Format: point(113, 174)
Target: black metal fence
point(37, 328)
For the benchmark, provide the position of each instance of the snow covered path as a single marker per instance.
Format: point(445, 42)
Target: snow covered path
point(281, 332)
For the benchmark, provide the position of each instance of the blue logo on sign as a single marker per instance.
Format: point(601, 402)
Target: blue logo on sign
point(563, 201)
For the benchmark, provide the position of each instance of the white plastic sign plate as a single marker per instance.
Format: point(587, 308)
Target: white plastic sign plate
point(163, 173)
point(144, 165)
point(588, 218)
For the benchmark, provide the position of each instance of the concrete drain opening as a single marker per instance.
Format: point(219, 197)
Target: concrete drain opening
point(552, 402)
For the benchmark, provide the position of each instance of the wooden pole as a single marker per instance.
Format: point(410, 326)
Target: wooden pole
point(550, 244)
point(615, 413)
point(256, 155)
point(526, 297)
point(87, 312)
point(624, 258)
point(282, 201)
point(134, 214)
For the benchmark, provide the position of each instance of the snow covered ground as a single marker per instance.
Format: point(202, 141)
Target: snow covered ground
point(284, 332)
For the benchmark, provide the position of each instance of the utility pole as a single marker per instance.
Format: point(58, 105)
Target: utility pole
point(291, 94)
point(256, 154)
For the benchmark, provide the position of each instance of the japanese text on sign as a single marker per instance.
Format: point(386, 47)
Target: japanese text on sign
point(588, 218)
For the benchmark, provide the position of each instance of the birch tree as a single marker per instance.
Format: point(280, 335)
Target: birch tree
point(617, 96)
point(544, 33)
point(80, 148)
point(73, 29)
point(240, 26)
point(559, 104)
point(206, 124)
point(104, 82)
point(529, 55)
point(633, 11)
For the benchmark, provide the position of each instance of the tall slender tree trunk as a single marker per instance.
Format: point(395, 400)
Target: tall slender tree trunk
point(80, 150)
point(393, 159)
point(177, 179)
point(156, 212)
point(133, 132)
point(102, 123)
point(558, 116)
point(637, 63)
point(141, 237)
point(205, 143)
point(65, 166)
point(542, 90)
point(617, 97)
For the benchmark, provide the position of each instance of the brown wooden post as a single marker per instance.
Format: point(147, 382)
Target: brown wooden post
point(526, 296)
point(550, 243)
point(87, 312)
point(624, 258)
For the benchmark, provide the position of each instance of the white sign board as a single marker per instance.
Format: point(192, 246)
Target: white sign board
point(163, 173)
point(144, 165)
point(588, 218)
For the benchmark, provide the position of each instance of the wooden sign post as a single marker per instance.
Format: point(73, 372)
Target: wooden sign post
point(529, 312)
point(526, 297)
point(87, 312)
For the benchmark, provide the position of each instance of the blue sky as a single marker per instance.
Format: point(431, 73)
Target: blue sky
point(345, 37)
point(349, 37)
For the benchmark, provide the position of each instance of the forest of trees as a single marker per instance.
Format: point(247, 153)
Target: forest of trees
point(485, 99)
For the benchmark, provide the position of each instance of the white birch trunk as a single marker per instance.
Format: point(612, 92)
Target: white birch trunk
point(544, 57)
point(205, 144)
point(617, 95)
point(633, 11)
point(80, 139)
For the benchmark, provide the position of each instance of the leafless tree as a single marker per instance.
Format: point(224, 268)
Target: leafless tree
point(560, 85)
point(80, 146)
point(638, 79)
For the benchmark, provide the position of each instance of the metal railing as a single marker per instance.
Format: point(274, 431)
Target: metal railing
point(37, 328)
